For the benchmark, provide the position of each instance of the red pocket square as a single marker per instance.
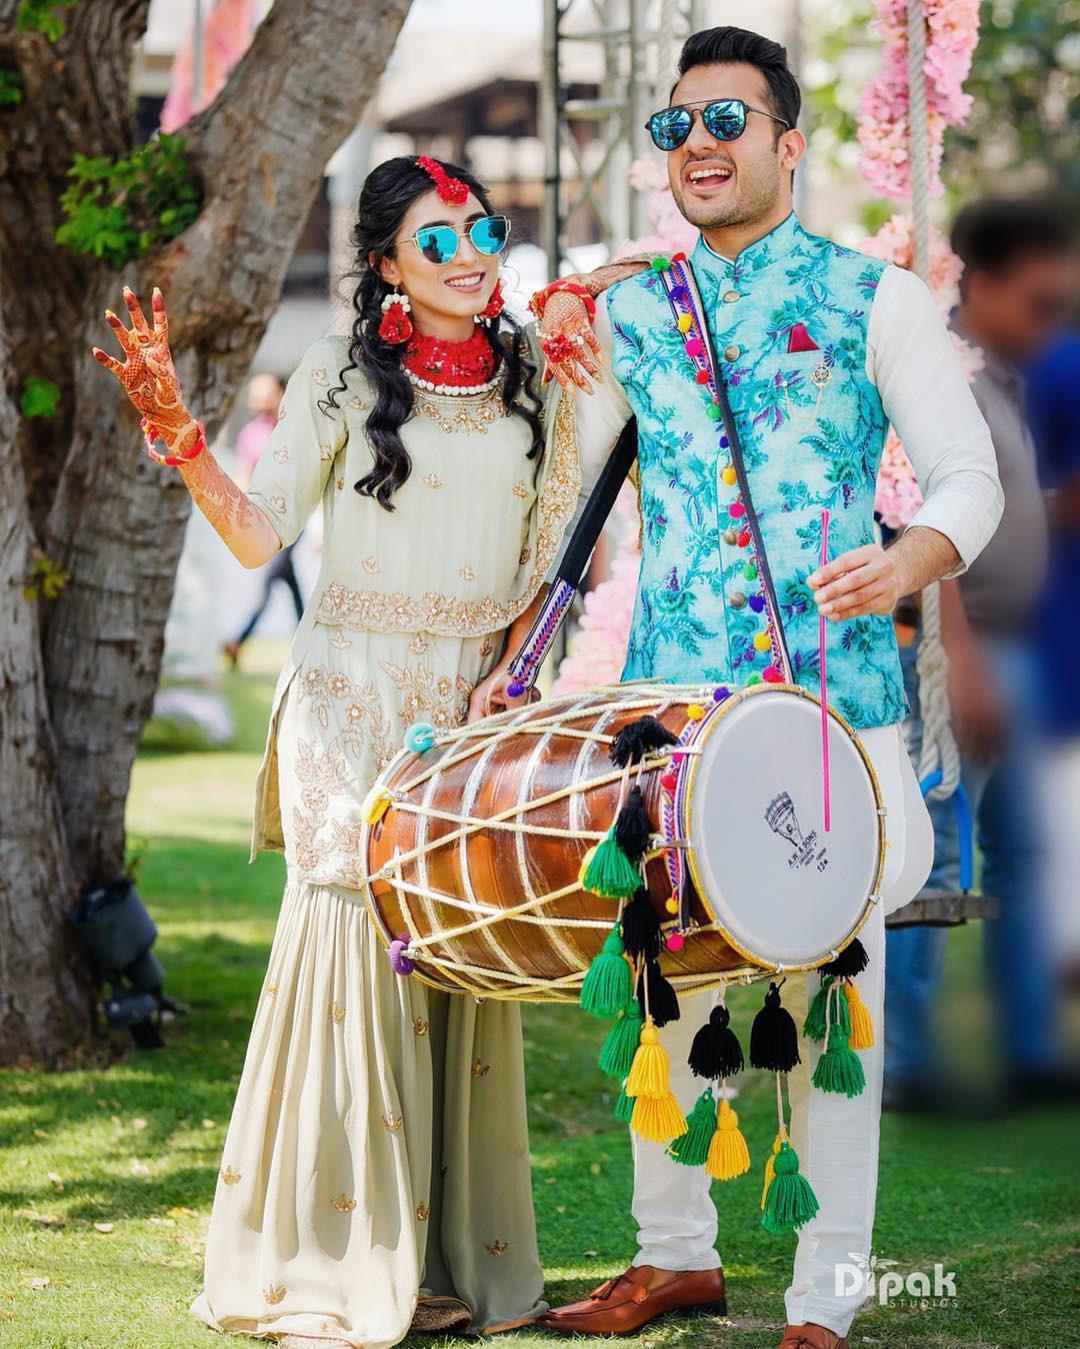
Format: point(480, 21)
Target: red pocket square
point(800, 340)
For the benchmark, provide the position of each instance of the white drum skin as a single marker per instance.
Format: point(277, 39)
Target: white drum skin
point(785, 893)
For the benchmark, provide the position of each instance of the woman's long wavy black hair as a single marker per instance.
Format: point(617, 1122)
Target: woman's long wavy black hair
point(387, 194)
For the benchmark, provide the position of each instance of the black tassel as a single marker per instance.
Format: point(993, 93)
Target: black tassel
point(663, 1002)
point(638, 738)
point(774, 1037)
point(633, 832)
point(851, 961)
point(716, 1051)
point(641, 926)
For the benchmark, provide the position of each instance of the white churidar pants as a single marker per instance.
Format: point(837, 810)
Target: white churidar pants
point(836, 1138)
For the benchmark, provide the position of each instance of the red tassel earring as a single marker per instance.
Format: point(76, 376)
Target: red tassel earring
point(395, 326)
point(494, 306)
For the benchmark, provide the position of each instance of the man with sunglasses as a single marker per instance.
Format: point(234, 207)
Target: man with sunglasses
point(818, 349)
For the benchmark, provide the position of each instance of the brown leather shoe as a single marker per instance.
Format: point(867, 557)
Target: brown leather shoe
point(809, 1336)
point(624, 1304)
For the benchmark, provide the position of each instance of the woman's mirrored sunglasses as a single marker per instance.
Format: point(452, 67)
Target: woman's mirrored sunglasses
point(439, 243)
point(723, 118)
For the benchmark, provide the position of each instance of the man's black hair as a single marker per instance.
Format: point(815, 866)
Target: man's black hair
point(724, 46)
point(992, 234)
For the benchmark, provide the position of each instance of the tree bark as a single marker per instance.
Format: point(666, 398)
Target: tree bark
point(45, 1001)
point(107, 515)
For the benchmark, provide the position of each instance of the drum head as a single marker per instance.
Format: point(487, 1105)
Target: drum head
point(781, 889)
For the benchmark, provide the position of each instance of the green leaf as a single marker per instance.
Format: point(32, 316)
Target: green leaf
point(40, 397)
point(11, 86)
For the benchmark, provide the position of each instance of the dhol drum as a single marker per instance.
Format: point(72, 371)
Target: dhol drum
point(475, 855)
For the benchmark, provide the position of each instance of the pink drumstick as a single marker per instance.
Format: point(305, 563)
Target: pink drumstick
point(821, 685)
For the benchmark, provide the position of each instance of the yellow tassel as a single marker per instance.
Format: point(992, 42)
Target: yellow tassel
point(684, 322)
point(375, 804)
point(770, 1173)
point(862, 1024)
point(658, 1119)
point(649, 1071)
point(585, 865)
point(728, 1156)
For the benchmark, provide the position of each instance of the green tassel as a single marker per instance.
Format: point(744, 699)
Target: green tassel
point(789, 1200)
point(620, 1044)
point(624, 1106)
point(839, 1069)
point(609, 871)
point(608, 982)
point(814, 1025)
point(692, 1147)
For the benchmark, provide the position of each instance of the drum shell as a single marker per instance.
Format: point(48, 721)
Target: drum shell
point(545, 950)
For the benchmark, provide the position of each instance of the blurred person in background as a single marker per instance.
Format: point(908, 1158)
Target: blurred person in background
point(1012, 295)
point(1052, 383)
point(264, 397)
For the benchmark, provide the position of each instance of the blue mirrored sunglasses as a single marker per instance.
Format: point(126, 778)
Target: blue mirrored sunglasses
point(439, 243)
point(723, 118)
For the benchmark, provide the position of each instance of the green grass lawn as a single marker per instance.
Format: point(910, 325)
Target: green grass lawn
point(106, 1175)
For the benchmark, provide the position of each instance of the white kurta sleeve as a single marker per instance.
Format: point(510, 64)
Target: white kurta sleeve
point(291, 474)
point(600, 417)
point(926, 396)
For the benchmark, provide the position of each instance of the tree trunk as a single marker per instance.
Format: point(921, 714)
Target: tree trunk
point(108, 516)
point(45, 1001)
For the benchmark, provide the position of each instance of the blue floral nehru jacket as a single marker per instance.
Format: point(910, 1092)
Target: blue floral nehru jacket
point(805, 447)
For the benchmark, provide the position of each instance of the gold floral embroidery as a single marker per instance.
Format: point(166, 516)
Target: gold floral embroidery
point(520, 489)
point(423, 1212)
point(474, 414)
point(467, 573)
point(370, 565)
point(337, 1012)
point(339, 641)
point(480, 1069)
point(273, 1293)
point(229, 1176)
point(277, 505)
point(319, 377)
point(340, 484)
point(281, 455)
point(418, 645)
point(432, 480)
point(486, 649)
point(496, 1248)
point(434, 611)
point(271, 990)
point(420, 1026)
point(524, 555)
point(356, 403)
point(445, 700)
point(363, 721)
point(391, 1122)
point(326, 453)
point(321, 776)
point(281, 413)
point(343, 1203)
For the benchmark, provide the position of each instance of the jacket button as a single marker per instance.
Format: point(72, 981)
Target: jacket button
point(732, 353)
point(730, 296)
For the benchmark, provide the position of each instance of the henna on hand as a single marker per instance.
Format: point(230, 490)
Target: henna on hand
point(567, 316)
point(147, 374)
point(148, 377)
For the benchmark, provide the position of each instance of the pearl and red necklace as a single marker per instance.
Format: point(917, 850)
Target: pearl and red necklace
point(439, 366)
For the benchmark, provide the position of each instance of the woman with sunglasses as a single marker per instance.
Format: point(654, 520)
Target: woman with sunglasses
point(377, 1151)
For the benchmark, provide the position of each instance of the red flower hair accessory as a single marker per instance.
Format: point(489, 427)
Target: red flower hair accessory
point(451, 190)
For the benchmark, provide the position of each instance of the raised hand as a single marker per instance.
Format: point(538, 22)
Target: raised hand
point(148, 376)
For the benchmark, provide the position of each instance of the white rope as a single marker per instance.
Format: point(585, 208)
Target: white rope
point(939, 748)
point(938, 742)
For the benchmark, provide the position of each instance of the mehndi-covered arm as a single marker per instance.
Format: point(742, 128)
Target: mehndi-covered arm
point(149, 379)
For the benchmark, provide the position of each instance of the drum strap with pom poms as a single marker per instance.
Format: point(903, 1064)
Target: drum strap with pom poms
point(681, 289)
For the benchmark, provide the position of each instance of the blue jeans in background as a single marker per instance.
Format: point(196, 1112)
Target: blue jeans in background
point(1007, 828)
